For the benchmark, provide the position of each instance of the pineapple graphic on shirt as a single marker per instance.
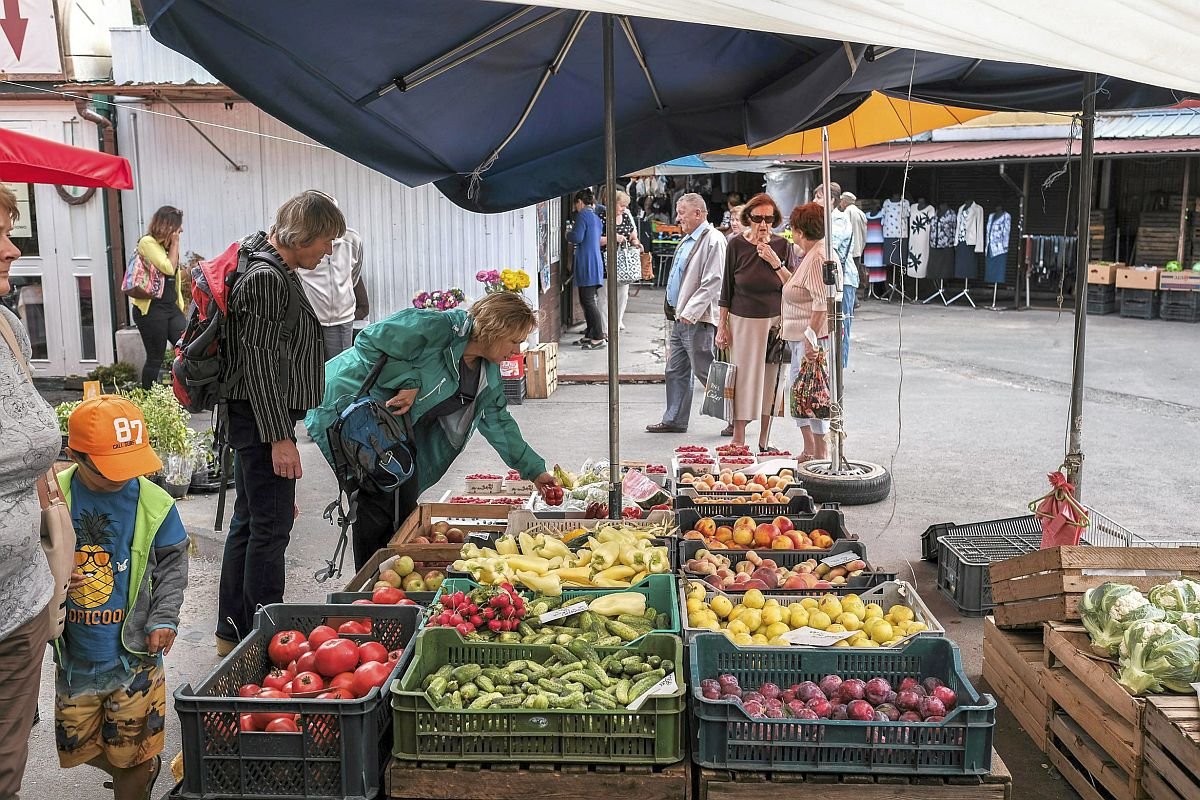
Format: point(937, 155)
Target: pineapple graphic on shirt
point(93, 533)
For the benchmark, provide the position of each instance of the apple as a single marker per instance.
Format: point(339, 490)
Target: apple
point(743, 536)
point(707, 526)
point(403, 566)
point(433, 580)
point(390, 577)
point(414, 583)
point(456, 535)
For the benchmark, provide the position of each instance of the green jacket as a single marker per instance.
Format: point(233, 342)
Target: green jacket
point(424, 348)
point(157, 576)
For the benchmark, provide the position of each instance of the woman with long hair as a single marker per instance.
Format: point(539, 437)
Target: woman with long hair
point(160, 320)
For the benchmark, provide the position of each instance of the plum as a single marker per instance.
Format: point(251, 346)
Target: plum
point(787, 696)
point(876, 691)
point(774, 713)
point(769, 690)
point(879, 716)
point(754, 697)
point(773, 702)
point(821, 707)
point(932, 707)
point(891, 697)
point(851, 689)
point(794, 707)
point(931, 683)
point(753, 708)
point(808, 690)
point(947, 695)
point(806, 714)
point(839, 712)
point(907, 683)
point(710, 692)
point(910, 716)
point(860, 710)
point(889, 710)
point(729, 683)
point(908, 700)
point(830, 685)
point(934, 719)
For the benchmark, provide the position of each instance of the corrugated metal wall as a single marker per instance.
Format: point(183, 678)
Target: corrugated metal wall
point(414, 239)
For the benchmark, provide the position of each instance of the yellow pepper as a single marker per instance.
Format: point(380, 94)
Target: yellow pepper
point(605, 555)
point(606, 583)
point(618, 573)
point(528, 544)
point(551, 547)
point(613, 605)
point(583, 557)
point(581, 576)
point(545, 584)
point(528, 564)
point(506, 546)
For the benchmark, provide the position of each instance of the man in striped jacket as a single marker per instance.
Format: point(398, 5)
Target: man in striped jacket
point(276, 373)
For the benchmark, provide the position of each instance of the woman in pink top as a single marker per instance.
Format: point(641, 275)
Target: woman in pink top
point(804, 307)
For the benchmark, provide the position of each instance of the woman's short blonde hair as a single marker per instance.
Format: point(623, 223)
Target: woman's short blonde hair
point(8, 203)
point(622, 197)
point(502, 315)
point(308, 216)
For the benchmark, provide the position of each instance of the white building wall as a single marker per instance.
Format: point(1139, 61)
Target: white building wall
point(414, 239)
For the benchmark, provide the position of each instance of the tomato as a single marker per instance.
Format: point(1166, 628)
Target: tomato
point(336, 655)
point(339, 693)
point(343, 680)
point(387, 596)
point(362, 602)
point(369, 676)
point(352, 626)
point(249, 690)
point(371, 651)
point(285, 647)
point(287, 688)
point(262, 718)
point(246, 723)
point(282, 725)
point(319, 635)
point(405, 602)
point(276, 678)
point(308, 682)
point(306, 662)
point(394, 655)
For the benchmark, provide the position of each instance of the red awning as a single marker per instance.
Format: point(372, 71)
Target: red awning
point(32, 159)
point(1009, 149)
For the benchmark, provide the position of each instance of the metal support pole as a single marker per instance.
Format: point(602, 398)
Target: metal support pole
point(1183, 209)
point(1074, 456)
point(610, 225)
point(836, 456)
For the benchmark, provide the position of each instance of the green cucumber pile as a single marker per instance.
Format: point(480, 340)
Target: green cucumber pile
point(596, 629)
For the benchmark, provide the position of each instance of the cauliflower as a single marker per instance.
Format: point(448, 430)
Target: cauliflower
point(1158, 656)
point(1107, 610)
point(1181, 594)
point(1126, 604)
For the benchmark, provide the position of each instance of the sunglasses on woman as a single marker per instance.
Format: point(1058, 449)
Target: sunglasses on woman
point(759, 219)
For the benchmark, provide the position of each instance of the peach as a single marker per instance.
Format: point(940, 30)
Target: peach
point(764, 534)
point(706, 526)
point(781, 543)
point(744, 522)
point(739, 479)
point(724, 534)
point(687, 477)
point(799, 540)
point(693, 534)
point(783, 523)
point(743, 536)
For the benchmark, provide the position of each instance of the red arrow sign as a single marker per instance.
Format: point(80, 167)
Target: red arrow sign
point(14, 26)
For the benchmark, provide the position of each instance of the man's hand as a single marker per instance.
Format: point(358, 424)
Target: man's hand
point(402, 402)
point(685, 320)
point(285, 458)
point(160, 639)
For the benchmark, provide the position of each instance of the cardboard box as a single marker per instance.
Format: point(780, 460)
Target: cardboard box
point(1102, 273)
point(1186, 281)
point(1138, 278)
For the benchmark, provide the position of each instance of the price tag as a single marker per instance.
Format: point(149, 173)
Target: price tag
point(839, 559)
point(815, 638)
point(667, 685)
point(565, 611)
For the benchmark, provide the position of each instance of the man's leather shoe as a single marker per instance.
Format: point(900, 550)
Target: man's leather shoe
point(663, 427)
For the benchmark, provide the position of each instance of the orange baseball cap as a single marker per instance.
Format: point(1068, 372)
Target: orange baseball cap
point(111, 431)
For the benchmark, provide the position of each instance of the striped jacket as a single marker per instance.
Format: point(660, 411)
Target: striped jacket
point(281, 378)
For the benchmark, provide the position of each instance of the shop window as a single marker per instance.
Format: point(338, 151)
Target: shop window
point(87, 322)
point(25, 300)
point(24, 232)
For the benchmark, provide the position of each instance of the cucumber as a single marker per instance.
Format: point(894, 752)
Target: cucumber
point(627, 632)
point(466, 673)
point(583, 650)
point(485, 700)
point(621, 691)
point(485, 683)
point(573, 700)
point(564, 655)
point(579, 676)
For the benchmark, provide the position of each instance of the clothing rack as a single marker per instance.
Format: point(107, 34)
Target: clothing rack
point(1048, 259)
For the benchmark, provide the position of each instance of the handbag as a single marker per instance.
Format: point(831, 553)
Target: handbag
point(810, 391)
point(719, 389)
point(647, 266)
point(629, 264)
point(777, 348)
point(142, 281)
point(58, 530)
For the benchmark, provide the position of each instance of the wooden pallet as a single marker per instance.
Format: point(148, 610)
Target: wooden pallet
point(715, 784)
point(1172, 747)
point(1093, 719)
point(1014, 668)
point(428, 780)
point(1047, 585)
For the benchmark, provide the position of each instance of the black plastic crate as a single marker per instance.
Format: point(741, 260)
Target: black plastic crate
point(1101, 293)
point(1139, 304)
point(829, 517)
point(342, 745)
point(1102, 308)
point(1180, 315)
point(423, 599)
point(929, 539)
point(964, 561)
point(688, 511)
point(515, 389)
point(1180, 306)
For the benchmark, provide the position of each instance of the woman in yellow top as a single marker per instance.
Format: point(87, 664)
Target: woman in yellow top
point(161, 320)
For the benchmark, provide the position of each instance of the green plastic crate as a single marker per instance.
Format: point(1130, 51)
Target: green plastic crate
point(652, 735)
point(728, 738)
point(660, 592)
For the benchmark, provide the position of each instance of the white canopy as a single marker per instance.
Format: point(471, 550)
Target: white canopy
point(1155, 42)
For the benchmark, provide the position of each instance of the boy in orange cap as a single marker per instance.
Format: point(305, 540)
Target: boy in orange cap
point(123, 605)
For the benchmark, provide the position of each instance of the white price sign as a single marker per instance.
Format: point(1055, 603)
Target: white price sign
point(667, 686)
point(565, 611)
point(839, 559)
point(814, 637)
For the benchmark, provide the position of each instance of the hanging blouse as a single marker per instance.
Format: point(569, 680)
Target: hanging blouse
point(942, 234)
point(999, 227)
point(920, 226)
point(895, 219)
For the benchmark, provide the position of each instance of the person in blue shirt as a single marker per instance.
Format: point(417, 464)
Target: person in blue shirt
point(123, 605)
point(589, 266)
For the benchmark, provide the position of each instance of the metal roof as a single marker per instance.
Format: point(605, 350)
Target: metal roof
point(1149, 124)
point(1035, 149)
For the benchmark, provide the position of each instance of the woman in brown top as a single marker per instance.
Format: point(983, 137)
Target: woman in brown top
point(804, 307)
point(756, 268)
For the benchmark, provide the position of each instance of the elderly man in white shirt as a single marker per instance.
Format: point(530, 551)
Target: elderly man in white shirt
point(337, 292)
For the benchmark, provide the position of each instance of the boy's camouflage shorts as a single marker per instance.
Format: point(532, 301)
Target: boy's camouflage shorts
point(116, 712)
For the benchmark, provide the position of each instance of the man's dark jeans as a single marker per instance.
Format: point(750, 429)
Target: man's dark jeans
point(252, 568)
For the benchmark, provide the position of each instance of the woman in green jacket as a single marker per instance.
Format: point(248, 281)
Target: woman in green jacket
point(443, 371)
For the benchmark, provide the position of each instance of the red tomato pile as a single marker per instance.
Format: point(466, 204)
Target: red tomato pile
point(323, 665)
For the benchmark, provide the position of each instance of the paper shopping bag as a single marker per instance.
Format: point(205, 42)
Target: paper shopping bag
point(718, 392)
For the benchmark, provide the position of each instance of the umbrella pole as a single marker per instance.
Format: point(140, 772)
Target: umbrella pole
point(1074, 457)
point(610, 225)
point(833, 279)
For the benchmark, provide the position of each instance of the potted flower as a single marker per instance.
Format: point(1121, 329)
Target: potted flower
point(167, 426)
point(439, 299)
point(503, 280)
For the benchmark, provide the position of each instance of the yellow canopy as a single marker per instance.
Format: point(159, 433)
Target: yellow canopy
point(879, 119)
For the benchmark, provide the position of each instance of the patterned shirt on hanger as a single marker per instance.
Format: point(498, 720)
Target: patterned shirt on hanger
point(942, 234)
point(999, 227)
point(895, 219)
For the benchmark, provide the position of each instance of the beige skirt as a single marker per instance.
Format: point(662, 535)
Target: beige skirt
point(756, 381)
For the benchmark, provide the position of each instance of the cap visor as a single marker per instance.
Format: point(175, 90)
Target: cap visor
point(128, 464)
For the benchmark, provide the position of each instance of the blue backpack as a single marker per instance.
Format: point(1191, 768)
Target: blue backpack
point(372, 450)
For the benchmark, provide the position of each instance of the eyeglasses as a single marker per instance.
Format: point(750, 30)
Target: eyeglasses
point(759, 219)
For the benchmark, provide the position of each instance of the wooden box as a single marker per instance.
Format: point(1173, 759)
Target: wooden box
point(1172, 747)
point(1137, 278)
point(365, 578)
point(422, 780)
point(1095, 733)
point(1014, 668)
point(541, 371)
point(1102, 273)
point(1047, 585)
point(466, 517)
point(714, 784)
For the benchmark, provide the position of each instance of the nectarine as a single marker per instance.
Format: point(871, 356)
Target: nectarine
point(764, 534)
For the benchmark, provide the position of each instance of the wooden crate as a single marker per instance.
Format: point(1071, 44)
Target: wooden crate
point(423, 780)
point(465, 516)
point(1014, 668)
point(365, 578)
point(1046, 585)
point(1093, 719)
point(541, 371)
point(713, 784)
point(1172, 747)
